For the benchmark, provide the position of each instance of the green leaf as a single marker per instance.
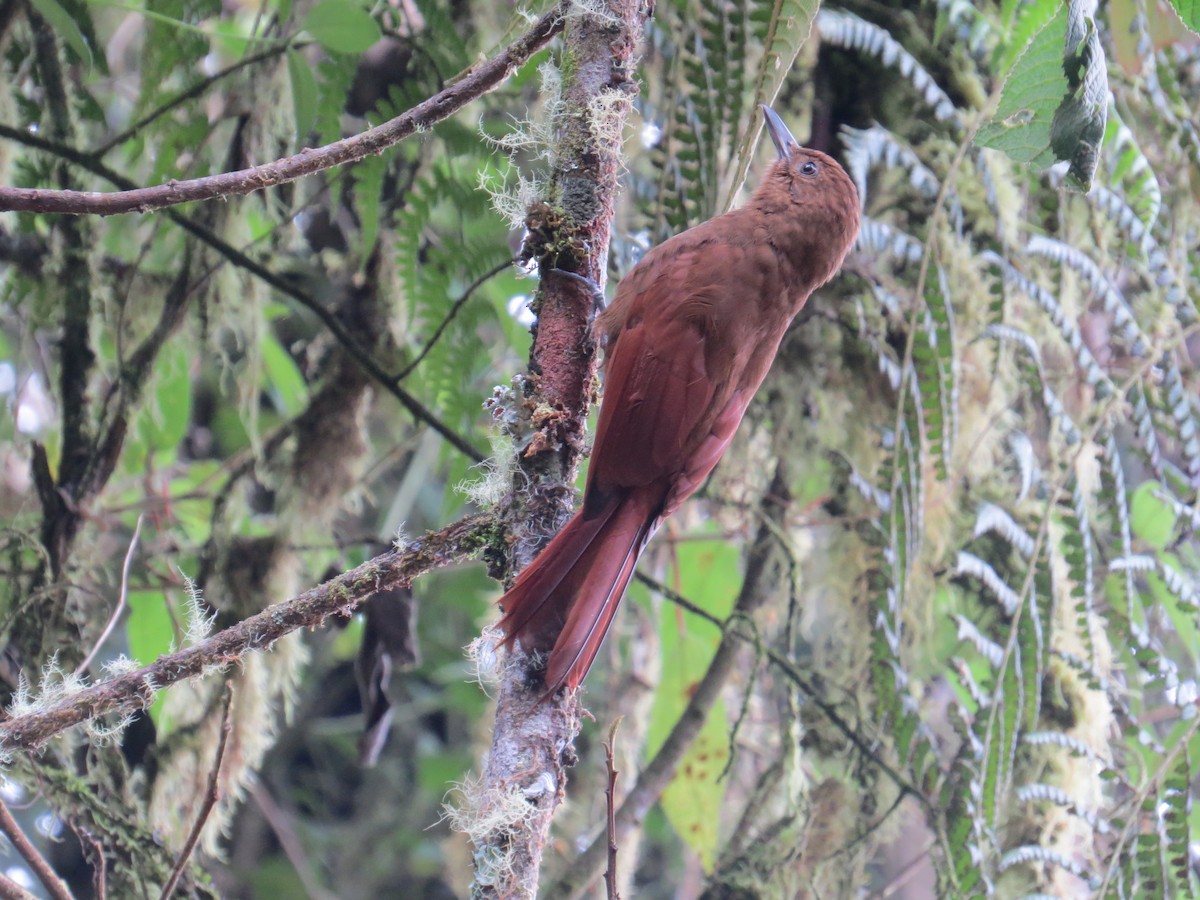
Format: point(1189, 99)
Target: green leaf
point(288, 390)
point(150, 631)
point(788, 25)
point(1077, 130)
point(1189, 12)
point(368, 189)
point(1054, 104)
point(65, 27)
point(1152, 520)
point(171, 409)
point(342, 26)
point(304, 95)
point(1025, 20)
point(1033, 91)
point(709, 574)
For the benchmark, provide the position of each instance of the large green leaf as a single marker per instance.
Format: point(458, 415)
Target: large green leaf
point(150, 631)
point(708, 573)
point(342, 26)
point(1035, 87)
point(1189, 12)
point(65, 26)
point(1054, 103)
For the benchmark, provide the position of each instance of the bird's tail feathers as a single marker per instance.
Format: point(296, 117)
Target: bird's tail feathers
point(569, 594)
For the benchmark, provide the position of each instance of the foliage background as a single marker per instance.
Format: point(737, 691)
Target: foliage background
point(972, 475)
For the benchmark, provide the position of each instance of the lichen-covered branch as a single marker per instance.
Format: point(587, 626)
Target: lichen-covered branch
point(569, 230)
point(760, 584)
point(341, 595)
point(473, 84)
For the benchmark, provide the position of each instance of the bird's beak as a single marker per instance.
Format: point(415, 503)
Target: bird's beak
point(784, 142)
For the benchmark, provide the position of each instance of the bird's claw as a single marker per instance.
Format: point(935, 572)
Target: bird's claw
point(598, 298)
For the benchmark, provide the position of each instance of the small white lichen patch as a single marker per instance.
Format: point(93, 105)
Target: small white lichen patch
point(485, 659)
point(56, 684)
point(400, 540)
point(594, 8)
point(496, 472)
point(607, 112)
point(102, 734)
point(197, 625)
point(529, 138)
point(481, 814)
point(511, 200)
point(122, 665)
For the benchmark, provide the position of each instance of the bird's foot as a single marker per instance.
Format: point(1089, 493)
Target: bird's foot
point(598, 298)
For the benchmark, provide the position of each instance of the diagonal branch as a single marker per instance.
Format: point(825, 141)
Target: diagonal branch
point(37, 863)
point(137, 690)
point(364, 359)
point(476, 82)
point(757, 587)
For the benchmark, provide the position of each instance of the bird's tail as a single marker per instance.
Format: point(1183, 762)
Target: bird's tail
point(565, 600)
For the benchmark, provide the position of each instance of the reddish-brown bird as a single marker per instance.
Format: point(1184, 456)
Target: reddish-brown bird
point(690, 336)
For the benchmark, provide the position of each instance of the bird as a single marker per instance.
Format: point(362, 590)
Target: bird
point(688, 338)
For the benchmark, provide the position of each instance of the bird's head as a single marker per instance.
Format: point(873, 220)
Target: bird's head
point(812, 201)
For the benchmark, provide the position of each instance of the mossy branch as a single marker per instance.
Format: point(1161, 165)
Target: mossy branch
point(469, 86)
point(341, 596)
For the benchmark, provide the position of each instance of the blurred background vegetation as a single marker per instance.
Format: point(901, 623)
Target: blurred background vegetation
point(976, 461)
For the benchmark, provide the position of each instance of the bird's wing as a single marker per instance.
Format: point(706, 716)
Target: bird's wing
point(670, 382)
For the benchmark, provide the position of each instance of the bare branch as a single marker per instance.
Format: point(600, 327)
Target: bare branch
point(533, 742)
point(121, 598)
point(36, 862)
point(289, 842)
point(211, 795)
point(757, 586)
point(610, 803)
point(341, 595)
point(10, 890)
point(372, 142)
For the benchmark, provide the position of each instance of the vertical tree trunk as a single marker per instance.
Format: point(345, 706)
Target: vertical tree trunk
point(508, 813)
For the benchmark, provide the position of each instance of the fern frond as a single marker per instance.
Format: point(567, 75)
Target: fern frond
point(1179, 404)
point(1059, 739)
point(936, 366)
point(1067, 328)
point(992, 518)
point(843, 29)
point(985, 647)
point(1102, 287)
point(1132, 168)
point(879, 238)
point(1036, 853)
point(971, 565)
point(1158, 265)
point(1048, 793)
point(870, 147)
point(1175, 798)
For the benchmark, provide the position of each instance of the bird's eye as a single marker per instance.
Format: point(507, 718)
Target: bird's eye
point(809, 168)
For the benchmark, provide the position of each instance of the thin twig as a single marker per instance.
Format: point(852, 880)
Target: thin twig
point(757, 586)
point(473, 84)
point(792, 672)
point(906, 873)
point(94, 854)
point(365, 360)
point(10, 890)
point(286, 835)
point(121, 598)
point(54, 885)
point(453, 312)
point(610, 801)
point(195, 91)
point(339, 596)
point(211, 796)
